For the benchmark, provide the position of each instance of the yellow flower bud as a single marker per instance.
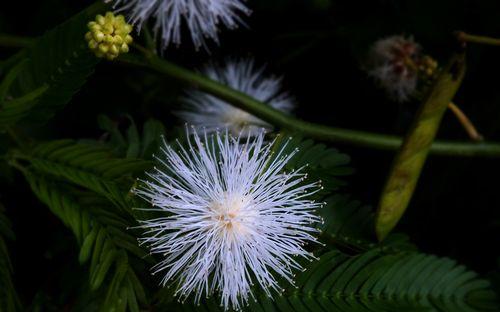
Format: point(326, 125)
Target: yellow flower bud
point(109, 35)
point(103, 47)
point(127, 28)
point(100, 19)
point(93, 44)
point(108, 39)
point(98, 36)
point(120, 19)
point(124, 48)
point(95, 27)
point(108, 29)
point(117, 40)
point(109, 16)
point(128, 39)
point(113, 49)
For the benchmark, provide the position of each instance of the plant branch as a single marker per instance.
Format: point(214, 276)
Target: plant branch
point(15, 41)
point(273, 116)
point(280, 119)
point(465, 37)
point(465, 122)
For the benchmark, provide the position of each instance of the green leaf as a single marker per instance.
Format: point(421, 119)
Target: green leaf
point(350, 225)
point(134, 147)
point(9, 301)
point(86, 186)
point(152, 133)
point(9, 79)
point(374, 281)
point(322, 163)
point(88, 165)
point(104, 239)
point(133, 144)
point(60, 61)
point(14, 109)
point(115, 138)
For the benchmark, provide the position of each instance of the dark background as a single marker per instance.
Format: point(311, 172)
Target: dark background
point(318, 47)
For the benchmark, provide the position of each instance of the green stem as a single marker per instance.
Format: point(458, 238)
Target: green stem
point(465, 37)
point(280, 119)
point(267, 113)
point(15, 41)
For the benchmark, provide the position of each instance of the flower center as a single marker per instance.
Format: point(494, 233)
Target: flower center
point(232, 214)
point(237, 117)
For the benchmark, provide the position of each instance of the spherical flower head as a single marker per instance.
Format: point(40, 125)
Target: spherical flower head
point(228, 217)
point(211, 113)
point(394, 64)
point(109, 35)
point(202, 17)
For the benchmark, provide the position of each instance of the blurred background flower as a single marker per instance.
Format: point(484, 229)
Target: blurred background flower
point(202, 18)
point(211, 113)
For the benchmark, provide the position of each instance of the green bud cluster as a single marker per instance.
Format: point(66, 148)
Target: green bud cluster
point(428, 66)
point(109, 35)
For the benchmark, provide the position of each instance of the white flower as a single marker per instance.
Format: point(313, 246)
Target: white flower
point(211, 113)
point(202, 17)
point(395, 65)
point(228, 217)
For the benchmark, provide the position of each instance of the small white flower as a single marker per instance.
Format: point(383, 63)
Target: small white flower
point(394, 64)
point(228, 217)
point(202, 17)
point(211, 113)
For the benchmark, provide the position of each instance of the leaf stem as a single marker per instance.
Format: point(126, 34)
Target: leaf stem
point(465, 122)
point(465, 37)
point(265, 112)
point(280, 119)
point(15, 41)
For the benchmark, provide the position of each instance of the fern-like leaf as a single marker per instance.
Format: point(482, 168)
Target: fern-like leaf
point(404, 281)
point(102, 234)
point(350, 225)
point(374, 281)
point(9, 301)
point(60, 62)
point(322, 163)
point(88, 165)
point(14, 109)
point(133, 143)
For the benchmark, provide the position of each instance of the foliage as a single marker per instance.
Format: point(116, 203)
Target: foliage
point(88, 165)
point(132, 144)
point(12, 110)
point(51, 71)
point(321, 163)
point(405, 281)
point(8, 297)
point(99, 214)
point(86, 184)
point(374, 281)
point(350, 225)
